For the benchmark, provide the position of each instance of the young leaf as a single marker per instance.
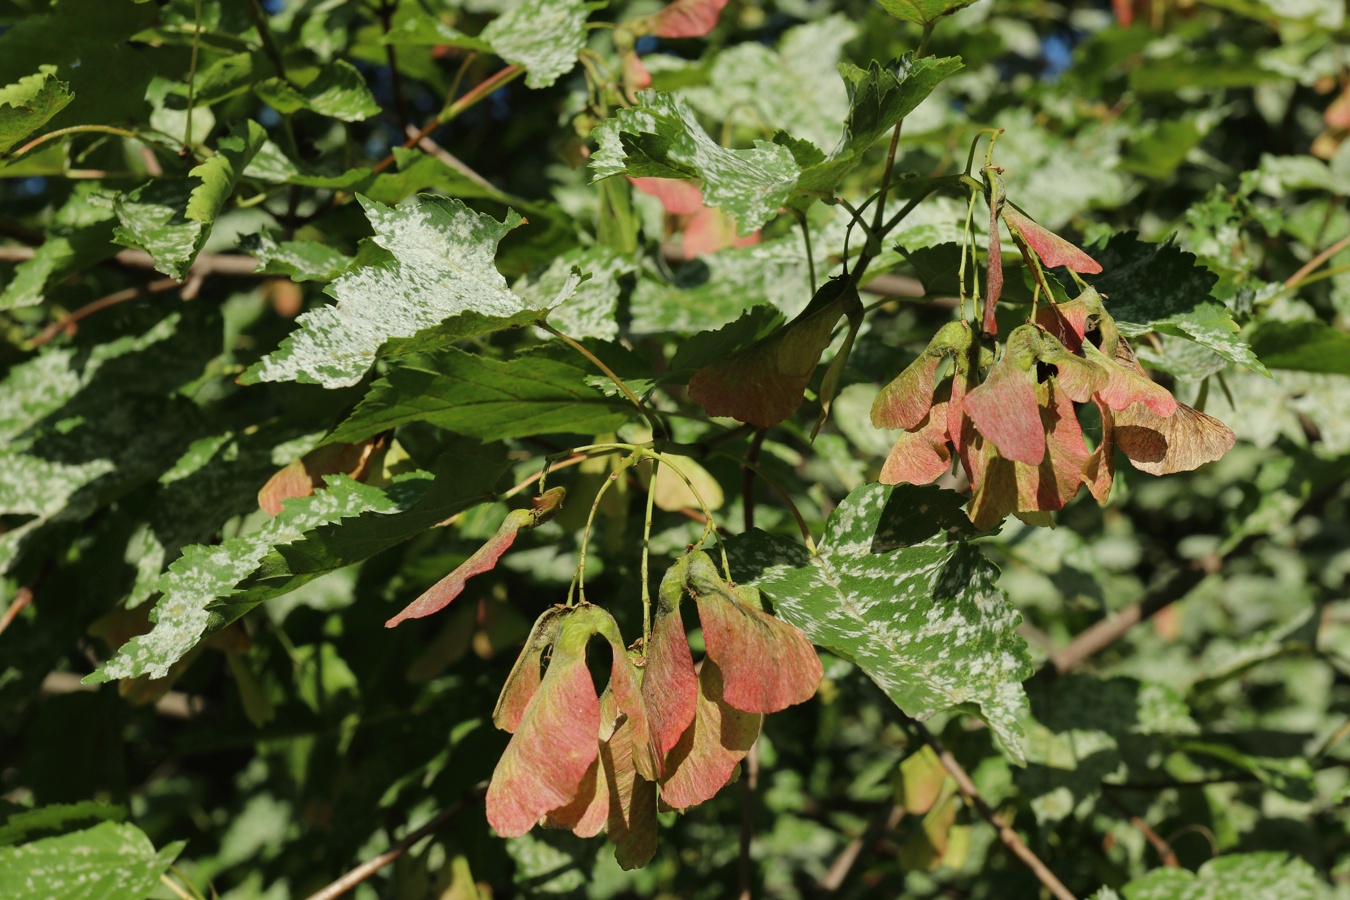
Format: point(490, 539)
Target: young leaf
point(117, 857)
point(28, 104)
point(660, 137)
point(442, 265)
point(918, 612)
point(541, 36)
point(485, 398)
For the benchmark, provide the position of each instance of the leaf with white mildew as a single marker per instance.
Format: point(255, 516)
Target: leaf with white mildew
point(895, 590)
point(660, 137)
point(442, 266)
point(112, 861)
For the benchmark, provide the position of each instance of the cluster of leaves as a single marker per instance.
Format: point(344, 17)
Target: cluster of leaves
point(705, 266)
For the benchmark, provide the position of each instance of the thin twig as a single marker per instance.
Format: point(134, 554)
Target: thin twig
point(373, 865)
point(1316, 261)
point(232, 264)
point(748, 478)
point(972, 794)
point(885, 820)
point(472, 96)
point(23, 598)
point(171, 705)
point(431, 148)
point(1165, 852)
point(750, 784)
point(255, 12)
point(66, 324)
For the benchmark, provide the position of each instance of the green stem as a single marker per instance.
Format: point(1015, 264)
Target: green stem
point(778, 489)
point(658, 430)
point(259, 17)
point(806, 239)
point(646, 553)
point(579, 578)
point(192, 72)
point(709, 527)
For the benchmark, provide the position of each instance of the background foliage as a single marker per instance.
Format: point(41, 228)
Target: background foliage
point(181, 179)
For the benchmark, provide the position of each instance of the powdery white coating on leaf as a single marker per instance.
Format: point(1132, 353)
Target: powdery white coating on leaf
point(111, 861)
point(581, 308)
point(443, 265)
point(205, 573)
point(666, 141)
point(924, 620)
point(541, 36)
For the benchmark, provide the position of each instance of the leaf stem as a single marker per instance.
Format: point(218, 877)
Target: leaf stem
point(792, 507)
point(192, 73)
point(1298, 277)
point(658, 430)
point(579, 577)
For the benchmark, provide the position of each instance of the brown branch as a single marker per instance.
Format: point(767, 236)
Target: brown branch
point(972, 794)
point(1312, 264)
point(887, 817)
point(232, 264)
point(66, 324)
point(748, 478)
point(23, 598)
point(472, 96)
point(1165, 852)
point(172, 705)
point(373, 865)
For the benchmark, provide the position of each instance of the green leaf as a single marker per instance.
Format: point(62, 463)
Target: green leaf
point(301, 260)
point(80, 235)
point(592, 309)
point(792, 87)
point(28, 104)
point(543, 37)
point(31, 823)
point(230, 76)
point(112, 861)
point(916, 610)
point(1159, 287)
point(205, 573)
point(1211, 71)
point(442, 265)
point(1087, 731)
point(425, 29)
point(923, 12)
point(660, 137)
point(485, 398)
point(338, 90)
point(460, 482)
point(1251, 876)
point(171, 218)
point(1303, 346)
point(707, 347)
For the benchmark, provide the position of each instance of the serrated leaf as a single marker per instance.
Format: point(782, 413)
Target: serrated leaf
point(485, 398)
point(171, 218)
point(205, 573)
point(1160, 287)
point(916, 610)
point(543, 37)
point(660, 137)
point(442, 265)
point(114, 861)
point(300, 260)
point(28, 104)
point(923, 12)
point(338, 90)
point(792, 87)
point(1251, 876)
point(591, 307)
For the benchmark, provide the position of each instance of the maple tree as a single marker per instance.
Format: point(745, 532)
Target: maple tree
point(357, 350)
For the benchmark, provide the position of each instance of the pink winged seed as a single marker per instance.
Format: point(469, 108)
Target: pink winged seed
point(669, 685)
point(706, 757)
point(1052, 249)
point(767, 664)
point(687, 18)
point(546, 762)
point(1003, 409)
